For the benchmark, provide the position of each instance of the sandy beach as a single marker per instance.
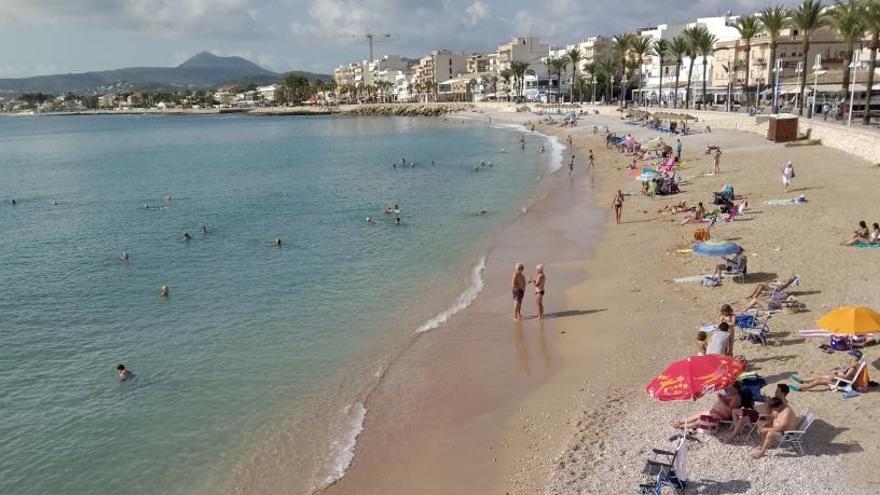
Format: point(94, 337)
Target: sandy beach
point(484, 405)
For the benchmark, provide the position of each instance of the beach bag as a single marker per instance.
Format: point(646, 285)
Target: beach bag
point(701, 234)
point(708, 423)
point(860, 384)
point(858, 341)
point(711, 282)
point(752, 386)
point(839, 342)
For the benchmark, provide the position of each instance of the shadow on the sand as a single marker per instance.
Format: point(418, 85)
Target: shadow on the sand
point(818, 442)
point(802, 189)
point(804, 292)
point(639, 221)
point(573, 312)
point(760, 277)
point(784, 358)
point(711, 486)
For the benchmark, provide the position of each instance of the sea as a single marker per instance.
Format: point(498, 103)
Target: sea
point(262, 355)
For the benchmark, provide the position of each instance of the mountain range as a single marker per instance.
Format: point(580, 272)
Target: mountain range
point(202, 70)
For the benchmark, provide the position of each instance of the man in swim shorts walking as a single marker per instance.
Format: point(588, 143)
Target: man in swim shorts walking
point(519, 290)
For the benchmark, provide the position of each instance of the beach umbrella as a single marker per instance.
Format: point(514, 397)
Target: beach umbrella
point(647, 176)
point(694, 377)
point(850, 320)
point(716, 248)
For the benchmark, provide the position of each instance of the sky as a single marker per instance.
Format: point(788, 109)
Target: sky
point(59, 36)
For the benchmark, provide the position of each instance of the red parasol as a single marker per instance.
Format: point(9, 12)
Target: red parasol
point(693, 377)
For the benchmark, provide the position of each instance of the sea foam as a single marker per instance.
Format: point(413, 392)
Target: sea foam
point(464, 300)
point(343, 447)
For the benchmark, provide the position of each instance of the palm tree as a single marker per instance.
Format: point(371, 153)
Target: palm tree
point(748, 26)
point(506, 75)
point(849, 22)
point(705, 47)
point(605, 68)
point(640, 46)
point(807, 18)
point(678, 48)
point(661, 50)
point(620, 45)
point(691, 36)
point(773, 21)
point(590, 69)
point(574, 57)
point(559, 66)
point(872, 25)
point(518, 70)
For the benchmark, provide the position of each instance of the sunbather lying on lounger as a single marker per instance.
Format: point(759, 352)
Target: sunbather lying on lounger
point(775, 285)
point(728, 400)
point(745, 416)
point(860, 235)
point(824, 380)
point(784, 419)
point(777, 299)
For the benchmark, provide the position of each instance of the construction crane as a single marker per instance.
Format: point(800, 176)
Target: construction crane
point(370, 37)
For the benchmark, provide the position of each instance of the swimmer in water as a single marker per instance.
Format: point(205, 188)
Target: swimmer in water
point(186, 236)
point(403, 162)
point(124, 256)
point(504, 150)
point(123, 373)
point(276, 242)
point(204, 230)
point(54, 202)
point(541, 151)
point(164, 291)
point(490, 164)
point(13, 202)
point(482, 163)
point(370, 220)
point(397, 220)
point(168, 198)
point(432, 163)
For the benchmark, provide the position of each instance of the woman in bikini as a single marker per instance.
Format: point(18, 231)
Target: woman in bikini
point(698, 216)
point(617, 204)
point(728, 400)
point(540, 280)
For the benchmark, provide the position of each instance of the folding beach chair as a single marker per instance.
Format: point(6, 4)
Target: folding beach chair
point(795, 437)
point(752, 326)
point(844, 385)
point(667, 469)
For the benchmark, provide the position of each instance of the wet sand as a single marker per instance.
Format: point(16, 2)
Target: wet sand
point(484, 405)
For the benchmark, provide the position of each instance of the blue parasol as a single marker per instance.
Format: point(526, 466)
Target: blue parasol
point(646, 176)
point(716, 248)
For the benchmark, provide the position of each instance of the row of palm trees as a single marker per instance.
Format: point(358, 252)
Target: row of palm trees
point(852, 20)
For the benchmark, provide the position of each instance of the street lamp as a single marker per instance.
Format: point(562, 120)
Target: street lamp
point(760, 81)
point(856, 63)
point(778, 70)
point(817, 69)
point(797, 98)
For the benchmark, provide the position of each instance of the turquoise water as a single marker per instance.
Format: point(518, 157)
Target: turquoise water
point(261, 354)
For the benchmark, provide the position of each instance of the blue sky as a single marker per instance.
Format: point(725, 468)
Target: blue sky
point(57, 36)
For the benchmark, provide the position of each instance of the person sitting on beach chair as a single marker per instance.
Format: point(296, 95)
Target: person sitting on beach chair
point(784, 419)
point(760, 289)
point(847, 372)
point(757, 415)
point(861, 235)
point(728, 400)
point(738, 265)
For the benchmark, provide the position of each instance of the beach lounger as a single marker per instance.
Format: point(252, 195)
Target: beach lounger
point(846, 386)
point(795, 437)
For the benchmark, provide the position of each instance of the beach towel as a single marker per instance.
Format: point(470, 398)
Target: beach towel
point(689, 280)
point(788, 202)
point(862, 245)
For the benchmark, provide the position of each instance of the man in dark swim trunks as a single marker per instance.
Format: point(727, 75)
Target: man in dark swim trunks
point(519, 290)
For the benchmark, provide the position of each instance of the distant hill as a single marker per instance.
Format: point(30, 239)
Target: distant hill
point(203, 70)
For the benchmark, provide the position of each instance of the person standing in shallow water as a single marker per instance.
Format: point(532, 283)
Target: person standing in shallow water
point(540, 280)
point(519, 290)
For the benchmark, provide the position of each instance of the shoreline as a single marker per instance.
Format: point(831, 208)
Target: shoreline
point(563, 433)
point(488, 394)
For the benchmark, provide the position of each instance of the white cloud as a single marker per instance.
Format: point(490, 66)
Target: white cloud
point(227, 18)
point(476, 12)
